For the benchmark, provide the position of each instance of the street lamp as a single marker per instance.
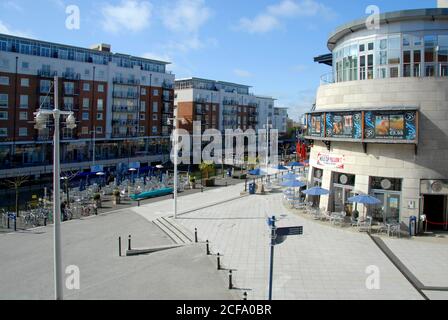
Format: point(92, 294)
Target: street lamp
point(176, 154)
point(41, 118)
point(267, 126)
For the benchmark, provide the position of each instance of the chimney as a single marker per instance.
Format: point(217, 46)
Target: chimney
point(442, 3)
point(101, 47)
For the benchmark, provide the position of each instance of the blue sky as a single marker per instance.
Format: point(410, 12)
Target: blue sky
point(268, 44)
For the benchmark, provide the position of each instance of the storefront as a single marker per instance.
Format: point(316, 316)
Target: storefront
point(388, 191)
point(343, 189)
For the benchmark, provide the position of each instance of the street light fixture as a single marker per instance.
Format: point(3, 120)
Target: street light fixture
point(176, 153)
point(41, 118)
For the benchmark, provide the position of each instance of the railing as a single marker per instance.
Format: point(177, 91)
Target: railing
point(230, 102)
point(200, 100)
point(71, 76)
point(326, 79)
point(166, 85)
point(125, 95)
point(134, 82)
point(47, 73)
point(124, 109)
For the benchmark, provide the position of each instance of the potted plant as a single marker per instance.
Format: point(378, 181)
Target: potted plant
point(206, 168)
point(116, 197)
point(97, 200)
point(192, 182)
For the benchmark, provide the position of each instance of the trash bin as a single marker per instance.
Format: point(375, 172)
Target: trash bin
point(412, 226)
point(252, 188)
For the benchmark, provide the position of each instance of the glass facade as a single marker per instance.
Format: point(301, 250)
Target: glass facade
point(391, 56)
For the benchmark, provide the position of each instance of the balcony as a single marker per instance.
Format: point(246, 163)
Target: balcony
point(46, 73)
point(70, 92)
point(230, 103)
point(132, 82)
point(253, 104)
point(124, 109)
point(126, 95)
point(166, 85)
point(200, 100)
point(326, 79)
point(71, 76)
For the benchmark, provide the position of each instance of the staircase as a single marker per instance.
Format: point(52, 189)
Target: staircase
point(174, 231)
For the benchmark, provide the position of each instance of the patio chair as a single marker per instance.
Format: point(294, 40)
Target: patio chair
point(395, 229)
point(365, 225)
point(354, 221)
point(340, 218)
point(326, 216)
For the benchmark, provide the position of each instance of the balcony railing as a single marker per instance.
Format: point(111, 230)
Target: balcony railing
point(327, 78)
point(125, 95)
point(47, 73)
point(71, 76)
point(166, 85)
point(124, 109)
point(134, 82)
point(230, 102)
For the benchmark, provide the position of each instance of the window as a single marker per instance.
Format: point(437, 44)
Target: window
point(143, 91)
point(85, 103)
point(4, 81)
point(142, 129)
point(155, 107)
point(25, 82)
point(25, 65)
point(23, 132)
point(23, 116)
point(142, 116)
point(100, 105)
point(99, 116)
point(370, 46)
point(3, 115)
point(86, 87)
point(142, 106)
point(3, 100)
point(100, 88)
point(154, 129)
point(23, 101)
point(99, 130)
point(3, 132)
point(85, 116)
point(85, 130)
point(155, 117)
point(69, 88)
point(155, 92)
point(362, 48)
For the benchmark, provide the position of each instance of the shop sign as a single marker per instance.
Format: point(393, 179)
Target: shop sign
point(330, 160)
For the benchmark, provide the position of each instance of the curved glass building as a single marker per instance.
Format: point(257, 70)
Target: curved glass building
point(380, 124)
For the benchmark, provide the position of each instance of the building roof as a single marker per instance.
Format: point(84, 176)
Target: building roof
point(215, 81)
point(325, 59)
point(96, 51)
point(386, 18)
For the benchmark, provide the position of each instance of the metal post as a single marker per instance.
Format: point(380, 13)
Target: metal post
point(57, 198)
point(15, 224)
point(230, 280)
point(129, 243)
point(207, 247)
point(175, 163)
point(218, 260)
point(195, 235)
point(119, 246)
point(245, 296)
point(271, 272)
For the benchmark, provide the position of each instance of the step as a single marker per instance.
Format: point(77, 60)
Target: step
point(172, 235)
point(180, 229)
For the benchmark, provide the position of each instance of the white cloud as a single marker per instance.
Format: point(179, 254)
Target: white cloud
point(271, 18)
point(242, 73)
point(129, 15)
point(186, 16)
point(7, 30)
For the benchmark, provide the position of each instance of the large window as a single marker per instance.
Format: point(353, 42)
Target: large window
point(396, 55)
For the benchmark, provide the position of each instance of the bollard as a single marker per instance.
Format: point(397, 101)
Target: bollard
point(8, 223)
point(138, 203)
point(119, 246)
point(230, 280)
point(45, 221)
point(245, 296)
point(245, 185)
point(218, 259)
point(15, 224)
point(129, 244)
point(207, 246)
point(196, 235)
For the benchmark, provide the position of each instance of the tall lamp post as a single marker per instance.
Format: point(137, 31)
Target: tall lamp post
point(267, 126)
point(41, 121)
point(176, 154)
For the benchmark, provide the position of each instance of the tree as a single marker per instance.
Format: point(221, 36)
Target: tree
point(15, 184)
point(67, 177)
point(206, 168)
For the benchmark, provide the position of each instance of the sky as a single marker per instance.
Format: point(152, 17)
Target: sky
point(267, 44)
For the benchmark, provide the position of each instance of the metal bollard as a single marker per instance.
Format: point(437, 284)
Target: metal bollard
point(218, 259)
point(230, 280)
point(129, 243)
point(196, 235)
point(207, 246)
point(15, 224)
point(245, 296)
point(45, 221)
point(8, 223)
point(119, 246)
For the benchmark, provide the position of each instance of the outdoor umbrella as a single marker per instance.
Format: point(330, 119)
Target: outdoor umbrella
point(290, 176)
point(295, 164)
point(365, 199)
point(280, 167)
point(316, 191)
point(293, 184)
point(256, 172)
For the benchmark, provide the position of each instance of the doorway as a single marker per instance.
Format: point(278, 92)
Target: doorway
point(435, 209)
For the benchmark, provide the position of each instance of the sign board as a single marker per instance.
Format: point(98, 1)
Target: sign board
point(329, 160)
point(134, 165)
point(96, 169)
point(290, 231)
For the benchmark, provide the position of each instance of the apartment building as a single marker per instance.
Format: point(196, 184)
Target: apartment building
point(122, 104)
point(280, 120)
point(221, 105)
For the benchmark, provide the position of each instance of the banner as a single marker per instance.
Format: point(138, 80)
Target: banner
point(330, 160)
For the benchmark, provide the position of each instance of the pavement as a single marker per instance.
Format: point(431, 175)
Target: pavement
point(91, 244)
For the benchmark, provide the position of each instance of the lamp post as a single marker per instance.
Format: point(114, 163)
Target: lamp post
point(41, 119)
point(267, 126)
point(176, 154)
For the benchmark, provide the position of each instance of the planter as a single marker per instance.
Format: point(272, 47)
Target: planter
point(192, 185)
point(210, 182)
point(116, 200)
